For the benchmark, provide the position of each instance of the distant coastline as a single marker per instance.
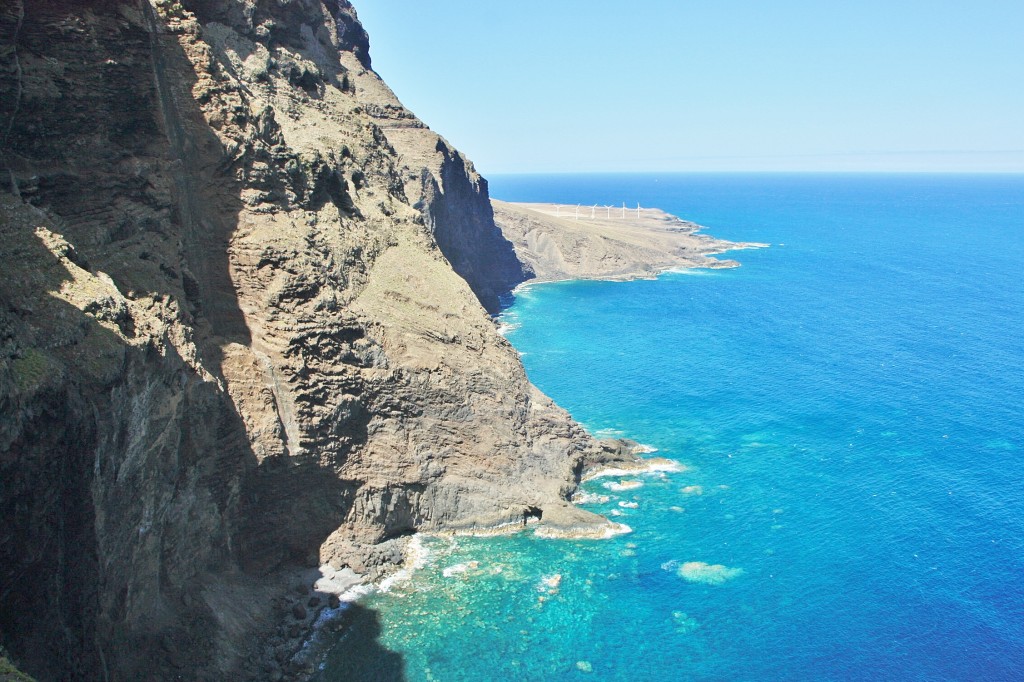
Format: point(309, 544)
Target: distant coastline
point(558, 242)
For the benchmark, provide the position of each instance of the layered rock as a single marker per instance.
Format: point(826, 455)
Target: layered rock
point(241, 332)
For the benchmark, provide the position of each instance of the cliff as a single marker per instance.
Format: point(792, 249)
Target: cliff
point(243, 334)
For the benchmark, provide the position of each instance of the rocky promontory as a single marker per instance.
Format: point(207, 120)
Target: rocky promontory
point(558, 242)
point(244, 337)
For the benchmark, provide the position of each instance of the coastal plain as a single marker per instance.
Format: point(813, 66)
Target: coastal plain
point(560, 242)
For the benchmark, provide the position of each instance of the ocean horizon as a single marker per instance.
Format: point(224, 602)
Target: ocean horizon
point(847, 412)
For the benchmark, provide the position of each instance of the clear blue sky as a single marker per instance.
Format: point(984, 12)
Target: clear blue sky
point(692, 85)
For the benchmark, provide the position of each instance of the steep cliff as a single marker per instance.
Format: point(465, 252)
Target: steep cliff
point(446, 187)
point(241, 334)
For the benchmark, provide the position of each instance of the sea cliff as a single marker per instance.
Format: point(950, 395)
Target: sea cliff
point(244, 335)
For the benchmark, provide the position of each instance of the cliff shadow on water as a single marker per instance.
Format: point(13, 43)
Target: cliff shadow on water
point(362, 658)
point(142, 532)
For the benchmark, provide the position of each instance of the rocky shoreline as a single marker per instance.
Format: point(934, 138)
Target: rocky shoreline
point(319, 598)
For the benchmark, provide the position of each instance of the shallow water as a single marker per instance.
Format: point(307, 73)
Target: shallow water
point(849, 408)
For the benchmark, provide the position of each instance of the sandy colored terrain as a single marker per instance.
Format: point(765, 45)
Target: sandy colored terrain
point(607, 243)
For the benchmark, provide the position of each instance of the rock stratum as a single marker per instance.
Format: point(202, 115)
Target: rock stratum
point(244, 333)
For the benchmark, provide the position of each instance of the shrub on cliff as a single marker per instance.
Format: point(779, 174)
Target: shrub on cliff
point(8, 672)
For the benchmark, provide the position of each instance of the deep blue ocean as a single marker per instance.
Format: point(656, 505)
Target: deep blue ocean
point(849, 407)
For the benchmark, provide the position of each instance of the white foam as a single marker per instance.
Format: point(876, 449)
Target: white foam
point(650, 466)
point(327, 614)
point(609, 472)
point(692, 271)
point(667, 465)
point(415, 559)
point(623, 485)
point(583, 497)
point(616, 529)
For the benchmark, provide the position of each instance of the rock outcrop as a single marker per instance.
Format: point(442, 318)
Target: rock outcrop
point(241, 334)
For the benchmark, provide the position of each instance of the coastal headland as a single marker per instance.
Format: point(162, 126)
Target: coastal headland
point(559, 242)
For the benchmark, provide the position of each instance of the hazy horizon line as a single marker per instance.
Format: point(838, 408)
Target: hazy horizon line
point(761, 171)
point(931, 161)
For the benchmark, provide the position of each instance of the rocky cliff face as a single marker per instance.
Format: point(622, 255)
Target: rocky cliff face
point(241, 332)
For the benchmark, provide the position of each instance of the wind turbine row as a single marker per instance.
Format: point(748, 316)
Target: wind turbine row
point(593, 210)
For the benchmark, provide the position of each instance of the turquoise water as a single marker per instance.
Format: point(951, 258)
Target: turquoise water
point(849, 405)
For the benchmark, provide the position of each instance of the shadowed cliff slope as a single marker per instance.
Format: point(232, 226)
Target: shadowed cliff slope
point(241, 334)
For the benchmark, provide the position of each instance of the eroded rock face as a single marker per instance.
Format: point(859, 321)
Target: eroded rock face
point(235, 340)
